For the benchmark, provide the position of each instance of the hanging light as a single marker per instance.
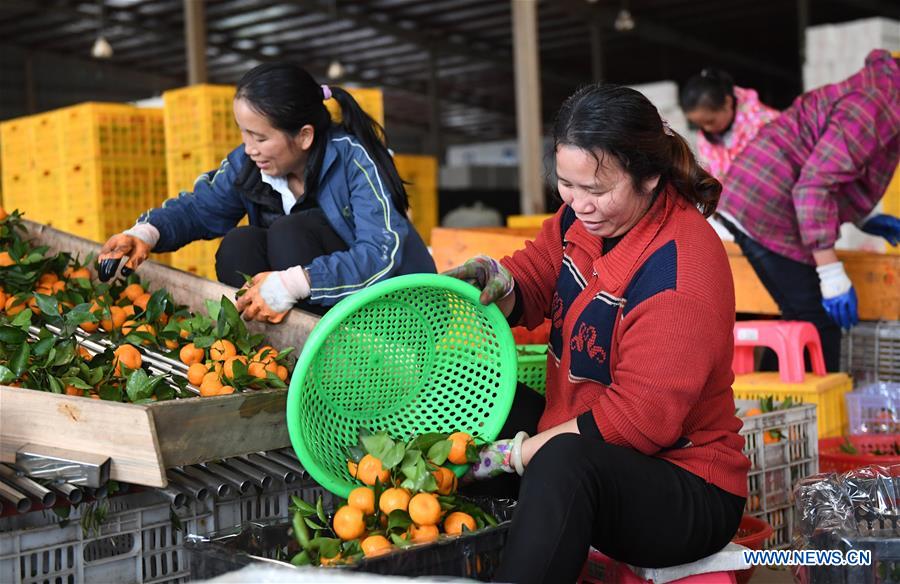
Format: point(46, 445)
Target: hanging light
point(624, 21)
point(101, 49)
point(335, 70)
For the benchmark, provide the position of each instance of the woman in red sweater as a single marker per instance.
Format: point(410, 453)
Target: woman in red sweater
point(636, 451)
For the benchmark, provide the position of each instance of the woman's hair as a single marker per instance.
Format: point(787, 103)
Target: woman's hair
point(289, 98)
point(609, 120)
point(708, 89)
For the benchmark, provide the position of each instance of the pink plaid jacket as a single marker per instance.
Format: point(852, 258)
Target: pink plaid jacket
point(824, 161)
point(750, 116)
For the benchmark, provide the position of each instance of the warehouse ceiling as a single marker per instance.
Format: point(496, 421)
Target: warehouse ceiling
point(460, 50)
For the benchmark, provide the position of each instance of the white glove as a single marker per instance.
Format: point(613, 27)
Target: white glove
point(281, 290)
point(145, 232)
point(833, 280)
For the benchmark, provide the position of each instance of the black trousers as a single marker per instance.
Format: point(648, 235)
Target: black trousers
point(795, 288)
point(292, 240)
point(579, 492)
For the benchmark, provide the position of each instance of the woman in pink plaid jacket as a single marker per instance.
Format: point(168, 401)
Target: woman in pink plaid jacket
point(728, 117)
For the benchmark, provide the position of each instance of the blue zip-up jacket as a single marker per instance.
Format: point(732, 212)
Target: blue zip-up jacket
point(353, 196)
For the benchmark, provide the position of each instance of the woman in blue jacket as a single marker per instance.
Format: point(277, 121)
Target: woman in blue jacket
point(326, 206)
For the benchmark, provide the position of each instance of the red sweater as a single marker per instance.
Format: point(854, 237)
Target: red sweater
point(642, 336)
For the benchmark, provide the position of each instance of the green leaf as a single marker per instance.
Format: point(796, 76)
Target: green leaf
point(157, 304)
point(76, 382)
point(12, 335)
point(329, 547)
point(164, 392)
point(355, 453)
point(110, 393)
point(6, 375)
point(439, 452)
point(424, 442)
point(314, 525)
point(19, 361)
point(140, 385)
point(23, 319)
point(213, 308)
point(204, 342)
point(65, 353)
point(302, 505)
point(48, 305)
point(42, 347)
point(320, 511)
point(55, 385)
point(398, 519)
point(399, 541)
point(394, 456)
point(301, 559)
point(378, 444)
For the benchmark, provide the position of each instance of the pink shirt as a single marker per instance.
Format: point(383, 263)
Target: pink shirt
point(750, 116)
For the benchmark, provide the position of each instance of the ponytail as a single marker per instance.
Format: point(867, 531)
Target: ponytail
point(690, 179)
point(371, 134)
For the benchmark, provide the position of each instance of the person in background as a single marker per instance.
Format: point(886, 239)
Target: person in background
point(326, 206)
point(825, 161)
point(636, 450)
point(728, 117)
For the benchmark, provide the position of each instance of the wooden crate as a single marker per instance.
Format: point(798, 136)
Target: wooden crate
point(143, 440)
point(876, 277)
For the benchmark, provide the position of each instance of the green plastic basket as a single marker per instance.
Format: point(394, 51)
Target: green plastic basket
point(413, 354)
point(532, 366)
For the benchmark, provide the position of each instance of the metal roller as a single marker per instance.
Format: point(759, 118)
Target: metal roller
point(71, 492)
point(175, 495)
point(287, 461)
point(270, 466)
point(240, 482)
point(19, 500)
point(195, 488)
point(259, 477)
point(28, 486)
point(218, 485)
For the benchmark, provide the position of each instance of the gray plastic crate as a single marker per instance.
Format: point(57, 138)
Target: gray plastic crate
point(138, 542)
point(870, 351)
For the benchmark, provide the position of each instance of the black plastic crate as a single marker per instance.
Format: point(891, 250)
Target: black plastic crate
point(470, 555)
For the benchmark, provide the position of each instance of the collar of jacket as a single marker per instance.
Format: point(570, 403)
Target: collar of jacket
point(618, 265)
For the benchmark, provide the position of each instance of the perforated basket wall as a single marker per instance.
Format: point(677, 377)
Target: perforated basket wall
point(413, 354)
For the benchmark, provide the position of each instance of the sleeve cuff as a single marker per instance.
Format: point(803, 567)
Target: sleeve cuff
point(516, 315)
point(587, 426)
point(145, 232)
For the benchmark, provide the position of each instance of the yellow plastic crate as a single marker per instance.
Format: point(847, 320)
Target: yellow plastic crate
point(891, 204)
point(184, 167)
point(421, 172)
point(16, 138)
point(370, 99)
point(200, 116)
point(197, 258)
point(526, 221)
point(826, 391)
point(105, 130)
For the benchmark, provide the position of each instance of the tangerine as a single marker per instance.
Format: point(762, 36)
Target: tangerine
point(222, 350)
point(461, 442)
point(363, 498)
point(446, 480)
point(453, 523)
point(190, 354)
point(393, 499)
point(127, 355)
point(370, 470)
point(196, 372)
point(375, 545)
point(349, 523)
point(422, 533)
point(424, 509)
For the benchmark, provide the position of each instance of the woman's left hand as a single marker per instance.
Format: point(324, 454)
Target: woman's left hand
point(251, 303)
point(497, 458)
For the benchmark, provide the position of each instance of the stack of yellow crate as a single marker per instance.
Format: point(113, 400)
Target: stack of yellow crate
point(891, 204)
point(422, 174)
point(200, 132)
point(89, 169)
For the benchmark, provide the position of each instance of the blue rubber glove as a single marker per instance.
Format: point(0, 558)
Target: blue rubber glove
point(838, 295)
point(886, 226)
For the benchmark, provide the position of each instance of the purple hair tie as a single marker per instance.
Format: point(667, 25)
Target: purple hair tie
point(326, 92)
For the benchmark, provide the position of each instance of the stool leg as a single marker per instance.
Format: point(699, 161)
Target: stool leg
point(742, 362)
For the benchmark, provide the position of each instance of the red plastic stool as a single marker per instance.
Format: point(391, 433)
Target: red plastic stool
point(599, 569)
point(786, 338)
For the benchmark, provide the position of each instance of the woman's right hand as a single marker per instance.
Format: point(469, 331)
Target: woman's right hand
point(486, 274)
point(121, 245)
